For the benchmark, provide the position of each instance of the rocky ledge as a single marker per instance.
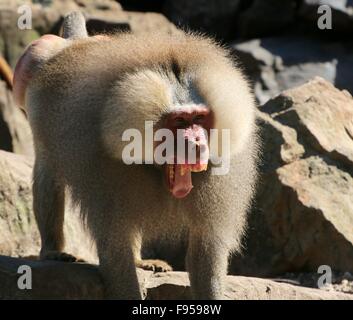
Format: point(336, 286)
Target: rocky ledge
point(60, 280)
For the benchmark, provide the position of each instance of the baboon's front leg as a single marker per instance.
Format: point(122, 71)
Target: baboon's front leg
point(207, 263)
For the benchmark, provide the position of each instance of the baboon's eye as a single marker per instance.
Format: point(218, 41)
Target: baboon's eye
point(180, 122)
point(199, 119)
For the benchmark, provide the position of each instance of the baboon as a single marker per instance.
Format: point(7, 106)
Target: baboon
point(82, 93)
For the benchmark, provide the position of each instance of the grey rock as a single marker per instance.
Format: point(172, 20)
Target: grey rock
point(59, 280)
point(303, 212)
point(19, 235)
point(276, 64)
point(216, 17)
point(15, 133)
point(266, 17)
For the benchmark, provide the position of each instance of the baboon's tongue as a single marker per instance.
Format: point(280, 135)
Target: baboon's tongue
point(182, 181)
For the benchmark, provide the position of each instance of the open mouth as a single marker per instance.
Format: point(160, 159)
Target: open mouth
point(179, 177)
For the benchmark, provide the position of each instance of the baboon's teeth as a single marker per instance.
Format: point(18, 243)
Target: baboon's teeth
point(193, 168)
point(184, 169)
point(199, 167)
point(171, 172)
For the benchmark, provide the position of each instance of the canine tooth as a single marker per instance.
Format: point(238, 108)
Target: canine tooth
point(171, 172)
point(183, 170)
point(199, 167)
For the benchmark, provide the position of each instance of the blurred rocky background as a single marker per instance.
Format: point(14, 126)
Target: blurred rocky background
point(302, 77)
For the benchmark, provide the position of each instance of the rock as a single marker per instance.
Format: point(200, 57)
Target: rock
point(59, 280)
point(18, 230)
point(303, 216)
point(321, 114)
point(266, 17)
point(275, 64)
point(15, 133)
point(261, 66)
point(296, 75)
point(135, 22)
point(330, 59)
point(338, 281)
point(336, 4)
point(101, 5)
point(108, 16)
point(283, 146)
point(48, 16)
point(216, 17)
point(51, 280)
point(17, 225)
point(12, 40)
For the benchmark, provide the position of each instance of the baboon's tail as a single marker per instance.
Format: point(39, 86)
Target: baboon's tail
point(74, 26)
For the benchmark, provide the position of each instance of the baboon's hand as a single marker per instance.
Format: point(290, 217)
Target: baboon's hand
point(153, 265)
point(60, 256)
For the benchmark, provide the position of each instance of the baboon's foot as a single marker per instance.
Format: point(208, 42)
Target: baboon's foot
point(60, 256)
point(154, 265)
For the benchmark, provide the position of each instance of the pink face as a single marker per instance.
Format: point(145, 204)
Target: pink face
point(195, 123)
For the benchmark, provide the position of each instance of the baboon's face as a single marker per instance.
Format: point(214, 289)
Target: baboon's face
point(190, 126)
